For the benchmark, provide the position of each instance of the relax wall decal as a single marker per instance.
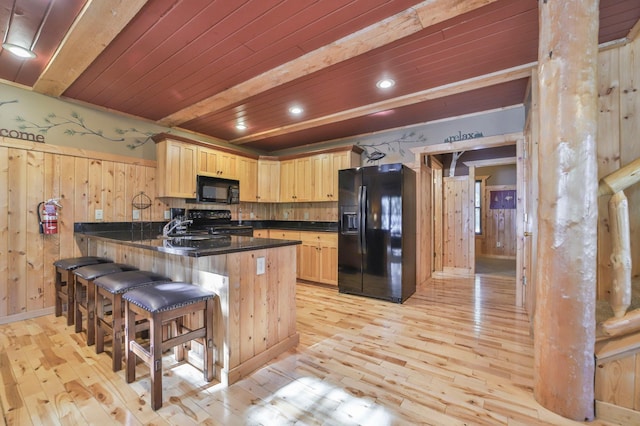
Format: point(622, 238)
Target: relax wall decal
point(463, 136)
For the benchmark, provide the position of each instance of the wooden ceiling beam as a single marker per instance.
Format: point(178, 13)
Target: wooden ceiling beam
point(97, 25)
point(491, 79)
point(410, 21)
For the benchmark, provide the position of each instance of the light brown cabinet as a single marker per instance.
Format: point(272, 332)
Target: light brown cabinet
point(248, 178)
point(176, 169)
point(212, 162)
point(296, 183)
point(325, 169)
point(318, 257)
point(268, 181)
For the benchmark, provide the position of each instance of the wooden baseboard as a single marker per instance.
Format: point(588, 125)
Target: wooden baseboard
point(615, 414)
point(27, 315)
point(496, 256)
point(247, 367)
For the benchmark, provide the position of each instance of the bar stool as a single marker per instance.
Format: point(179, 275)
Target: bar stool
point(65, 283)
point(85, 293)
point(162, 304)
point(109, 289)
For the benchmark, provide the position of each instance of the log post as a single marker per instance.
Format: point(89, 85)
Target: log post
point(564, 321)
point(620, 297)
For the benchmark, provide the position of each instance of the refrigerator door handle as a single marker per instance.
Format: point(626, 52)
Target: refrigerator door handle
point(362, 218)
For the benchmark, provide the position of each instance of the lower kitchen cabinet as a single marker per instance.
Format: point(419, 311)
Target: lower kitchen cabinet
point(317, 256)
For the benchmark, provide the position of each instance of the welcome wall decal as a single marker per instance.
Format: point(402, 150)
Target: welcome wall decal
point(463, 136)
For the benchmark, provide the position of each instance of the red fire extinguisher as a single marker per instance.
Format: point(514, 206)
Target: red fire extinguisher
point(48, 216)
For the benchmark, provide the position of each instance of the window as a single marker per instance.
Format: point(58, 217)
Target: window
point(478, 207)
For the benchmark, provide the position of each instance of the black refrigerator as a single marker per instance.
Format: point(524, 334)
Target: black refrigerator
point(377, 232)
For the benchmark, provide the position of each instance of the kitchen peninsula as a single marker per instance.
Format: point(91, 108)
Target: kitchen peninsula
point(254, 279)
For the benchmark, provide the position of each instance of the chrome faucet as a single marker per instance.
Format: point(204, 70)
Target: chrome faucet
point(177, 224)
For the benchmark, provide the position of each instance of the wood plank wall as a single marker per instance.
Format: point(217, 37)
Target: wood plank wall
point(618, 144)
point(30, 173)
point(457, 224)
point(499, 226)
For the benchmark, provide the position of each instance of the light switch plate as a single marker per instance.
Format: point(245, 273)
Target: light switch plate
point(99, 215)
point(167, 214)
point(260, 266)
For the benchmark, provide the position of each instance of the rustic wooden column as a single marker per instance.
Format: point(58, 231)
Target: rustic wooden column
point(564, 323)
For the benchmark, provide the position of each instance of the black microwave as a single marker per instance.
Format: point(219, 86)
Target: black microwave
point(217, 190)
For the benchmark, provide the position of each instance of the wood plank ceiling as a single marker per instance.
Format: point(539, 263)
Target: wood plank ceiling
point(205, 65)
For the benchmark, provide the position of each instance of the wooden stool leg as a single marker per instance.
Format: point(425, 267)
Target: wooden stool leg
point(58, 286)
point(116, 333)
point(91, 313)
point(99, 305)
point(70, 297)
point(209, 359)
point(155, 331)
point(130, 334)
point(76, 304)
point(178, 350)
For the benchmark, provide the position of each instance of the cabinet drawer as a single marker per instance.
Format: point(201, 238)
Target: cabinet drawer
point(282, 234)
point(261, 233)
point(324, 238)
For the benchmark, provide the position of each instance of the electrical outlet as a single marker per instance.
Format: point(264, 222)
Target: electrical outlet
point(167, 214)
point(252, 216)
point(99, 215)
point(498, 244)
point(306, 215)
point(136, 215)
point(286, 215)
point(260, 266)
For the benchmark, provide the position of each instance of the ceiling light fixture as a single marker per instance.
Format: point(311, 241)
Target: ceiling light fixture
point(241, 126)
point(19, 51)
point(296, 110)
point(385, 83)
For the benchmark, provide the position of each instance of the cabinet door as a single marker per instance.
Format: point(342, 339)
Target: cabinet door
point(287, 180)
point(303, 184)
point(309, 262)
point(248, 177)
point(328, 270)
point(177, 169)
point(207, 161)
point(227, 165)
point(317, 176)
point(268, 181)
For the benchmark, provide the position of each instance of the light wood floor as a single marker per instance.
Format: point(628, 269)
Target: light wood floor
point(457, 352)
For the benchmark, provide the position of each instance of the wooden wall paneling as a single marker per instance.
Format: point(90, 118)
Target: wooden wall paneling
point(81, 196)
point(630, 136)
point(615, 381)
point(35, 193)
point(119, 192)
point(108, 191)
point(437, 213)
point(131, 190)
point(95, 196)
point(51, 253)
point(260, 306)
point(246, 309)
point(67, 215)
point(4, 233)
point(17, 224)
point(608, 148)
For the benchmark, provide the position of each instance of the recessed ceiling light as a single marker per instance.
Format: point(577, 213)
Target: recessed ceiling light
point(241, 126)
point(385, 83)
point(296, 110)
point(18, 50)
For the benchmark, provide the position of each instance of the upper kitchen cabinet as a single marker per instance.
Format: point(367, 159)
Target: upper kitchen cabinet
point(268, 181)
point(325, 172)
point(248, 177)
point(296, 183)
point(217, 163)
point(176, 175)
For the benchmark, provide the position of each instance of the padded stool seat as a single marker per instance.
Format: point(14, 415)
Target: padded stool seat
point(65, 283)
point(161, 304)
point(110, 288)
point(85, 293)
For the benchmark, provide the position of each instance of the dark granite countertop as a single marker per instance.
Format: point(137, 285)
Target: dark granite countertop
point(295, 225)
point(148, 237)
